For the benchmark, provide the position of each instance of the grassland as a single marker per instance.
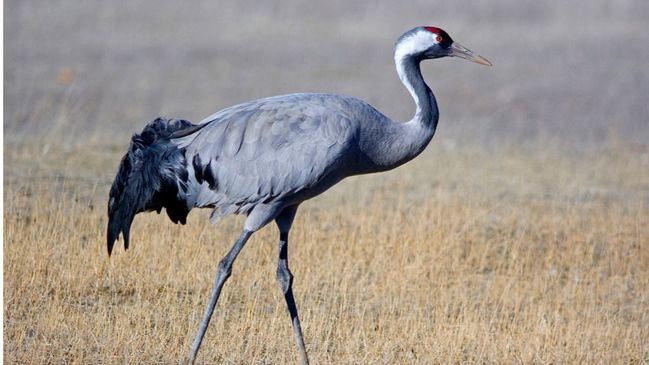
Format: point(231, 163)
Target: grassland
point(458, 258)
point(519, 236)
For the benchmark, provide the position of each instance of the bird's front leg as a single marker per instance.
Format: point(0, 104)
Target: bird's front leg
point(222, 274)
point(285, 278)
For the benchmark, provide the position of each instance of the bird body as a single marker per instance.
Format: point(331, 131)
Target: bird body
point(265, 157)
point(286, 149)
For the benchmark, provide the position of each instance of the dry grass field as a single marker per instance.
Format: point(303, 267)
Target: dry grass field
point(521, 235)
point(455, 259)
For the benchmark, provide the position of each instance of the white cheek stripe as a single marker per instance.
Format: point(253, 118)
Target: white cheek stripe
point(416, 43)
point(404, 79)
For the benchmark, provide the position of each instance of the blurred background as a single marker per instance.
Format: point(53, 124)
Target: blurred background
point(571, 73)
point(519, 236)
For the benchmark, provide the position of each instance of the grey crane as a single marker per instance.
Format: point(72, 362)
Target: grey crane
point(265, 157)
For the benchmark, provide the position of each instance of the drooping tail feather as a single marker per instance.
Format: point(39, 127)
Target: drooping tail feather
point(151, 176)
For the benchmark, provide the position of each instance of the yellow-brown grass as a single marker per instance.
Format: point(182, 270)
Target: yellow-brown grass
point(459, 257)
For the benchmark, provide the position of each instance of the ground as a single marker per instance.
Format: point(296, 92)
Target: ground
point(519, 236)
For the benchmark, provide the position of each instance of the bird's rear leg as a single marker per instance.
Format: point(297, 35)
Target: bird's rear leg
point(223, 272)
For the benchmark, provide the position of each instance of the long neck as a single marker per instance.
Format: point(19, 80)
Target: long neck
point(427, 114)
point(394, 144)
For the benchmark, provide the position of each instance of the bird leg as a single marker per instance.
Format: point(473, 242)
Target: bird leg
point(222, 274)
point(285, 278)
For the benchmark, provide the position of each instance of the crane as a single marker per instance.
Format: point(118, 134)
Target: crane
point(263, 158)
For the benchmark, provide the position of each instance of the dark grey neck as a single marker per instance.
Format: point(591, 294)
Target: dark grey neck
point(427, 114)
point(397, 143)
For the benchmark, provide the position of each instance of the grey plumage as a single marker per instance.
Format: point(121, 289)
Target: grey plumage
point(265, 157)
point(280, 150)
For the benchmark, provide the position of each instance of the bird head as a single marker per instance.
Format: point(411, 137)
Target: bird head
point(431, 42)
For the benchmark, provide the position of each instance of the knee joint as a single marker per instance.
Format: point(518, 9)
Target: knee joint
point(285, 278)
point(224, 269)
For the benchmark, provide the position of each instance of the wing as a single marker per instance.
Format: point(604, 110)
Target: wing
point(269, 149)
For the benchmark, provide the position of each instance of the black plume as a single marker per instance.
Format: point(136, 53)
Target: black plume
point(148, 178)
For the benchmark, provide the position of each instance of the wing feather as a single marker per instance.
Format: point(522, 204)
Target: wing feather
point(269, 149)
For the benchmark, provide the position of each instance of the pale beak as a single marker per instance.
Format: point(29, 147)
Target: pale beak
point(458, 50)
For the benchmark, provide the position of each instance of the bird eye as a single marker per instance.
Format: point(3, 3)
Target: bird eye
point(439, 39)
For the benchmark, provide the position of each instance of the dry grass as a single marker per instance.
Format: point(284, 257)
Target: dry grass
point(520, 236)
point(518, 257)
